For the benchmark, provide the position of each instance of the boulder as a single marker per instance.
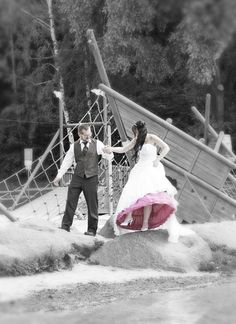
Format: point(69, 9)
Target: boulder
point(34, 246)
point(107, 230)
point(151, 249)
point(218, 234)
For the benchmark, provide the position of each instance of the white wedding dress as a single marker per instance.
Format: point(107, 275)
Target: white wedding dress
point(148, 185)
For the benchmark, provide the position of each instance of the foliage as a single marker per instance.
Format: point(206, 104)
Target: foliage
point(136, 38)
point(203, 35)
point(29, 60)
point(79, 66)
point(228, 72)
point(163, 54)
point(82, 15)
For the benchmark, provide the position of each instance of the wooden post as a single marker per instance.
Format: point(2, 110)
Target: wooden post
point(207, 117)
point(103, 75)
point(107, 141)
point(219, 141)
point(105, 119)
point(97, 56)
point(61, 131)
point(211, 130)
point(110, 180)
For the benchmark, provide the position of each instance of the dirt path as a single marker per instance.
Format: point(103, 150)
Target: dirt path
point(83, 297)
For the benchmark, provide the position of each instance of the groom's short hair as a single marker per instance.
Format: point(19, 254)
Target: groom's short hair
point(82, 127)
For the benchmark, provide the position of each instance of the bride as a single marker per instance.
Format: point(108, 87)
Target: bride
point(147, 201)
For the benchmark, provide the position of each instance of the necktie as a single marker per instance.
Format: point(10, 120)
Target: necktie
point(85, 149)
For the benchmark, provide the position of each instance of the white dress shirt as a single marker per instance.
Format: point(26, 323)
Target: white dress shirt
point(69, 158)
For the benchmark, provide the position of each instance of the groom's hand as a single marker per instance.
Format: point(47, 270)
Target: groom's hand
point(56, 181)
point(107, 149)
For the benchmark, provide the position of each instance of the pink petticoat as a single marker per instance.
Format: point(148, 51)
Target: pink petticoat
point(162, 204)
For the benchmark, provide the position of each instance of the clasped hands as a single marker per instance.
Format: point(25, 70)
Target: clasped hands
point(56, 181)
point(107, 149)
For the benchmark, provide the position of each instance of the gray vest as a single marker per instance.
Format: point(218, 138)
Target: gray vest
point(86, 165)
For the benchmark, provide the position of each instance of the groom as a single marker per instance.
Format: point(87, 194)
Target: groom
point(86, 153)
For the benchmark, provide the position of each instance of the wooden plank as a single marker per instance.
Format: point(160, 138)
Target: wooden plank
point(207, 117)
point(7, 213)
point(200, 182)
point(187, 154)
point(185, 211)
point(219, 141)
point(211, 130)
point(182, 152)
point(211, 170)
point(130, 116)
point(165, 124)
point(190, 209)
point(198, 202)
point(177, 176)
point(103, 75)
point(223, 211)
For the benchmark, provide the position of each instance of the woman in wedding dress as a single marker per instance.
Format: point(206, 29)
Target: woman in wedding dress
point(147, 201)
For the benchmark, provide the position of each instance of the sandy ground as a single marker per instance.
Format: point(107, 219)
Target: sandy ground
point(87, 286)
point(165, 300)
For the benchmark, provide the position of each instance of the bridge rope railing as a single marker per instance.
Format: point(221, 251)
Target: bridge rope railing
point(29, 193)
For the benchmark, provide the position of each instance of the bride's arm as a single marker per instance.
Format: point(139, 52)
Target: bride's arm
point(124, 149)
point(164, 147)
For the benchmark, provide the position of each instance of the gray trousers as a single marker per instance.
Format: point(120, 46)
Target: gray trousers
point(89, 187)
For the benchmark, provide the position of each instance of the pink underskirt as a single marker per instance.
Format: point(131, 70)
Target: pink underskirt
point(162, 204)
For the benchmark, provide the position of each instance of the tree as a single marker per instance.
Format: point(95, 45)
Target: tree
point(156, 40)
point(136, 37)
point(82, 15)
point(158, 53)
point(201, 38)
point(30, 103)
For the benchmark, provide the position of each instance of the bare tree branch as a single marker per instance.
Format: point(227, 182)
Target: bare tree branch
point(40, 21)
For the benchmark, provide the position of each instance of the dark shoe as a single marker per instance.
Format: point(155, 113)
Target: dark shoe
point(90, 233)
point(65, 228)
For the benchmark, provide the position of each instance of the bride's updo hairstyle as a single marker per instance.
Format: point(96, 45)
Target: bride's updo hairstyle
point(140, 129)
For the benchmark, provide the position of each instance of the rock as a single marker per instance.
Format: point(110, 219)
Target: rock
point(218, 234)
point(36, 246)
point(152, 250)
point(108, 230)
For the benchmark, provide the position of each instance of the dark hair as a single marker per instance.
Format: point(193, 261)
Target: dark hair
point(142, 133)
point(173, 182)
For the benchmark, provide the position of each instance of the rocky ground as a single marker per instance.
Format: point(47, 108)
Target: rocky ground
point(45, 248)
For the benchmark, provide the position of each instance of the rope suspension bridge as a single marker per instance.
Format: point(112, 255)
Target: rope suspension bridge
point(26, 194)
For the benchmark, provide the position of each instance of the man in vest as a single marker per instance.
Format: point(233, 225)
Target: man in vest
point(86, 153)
